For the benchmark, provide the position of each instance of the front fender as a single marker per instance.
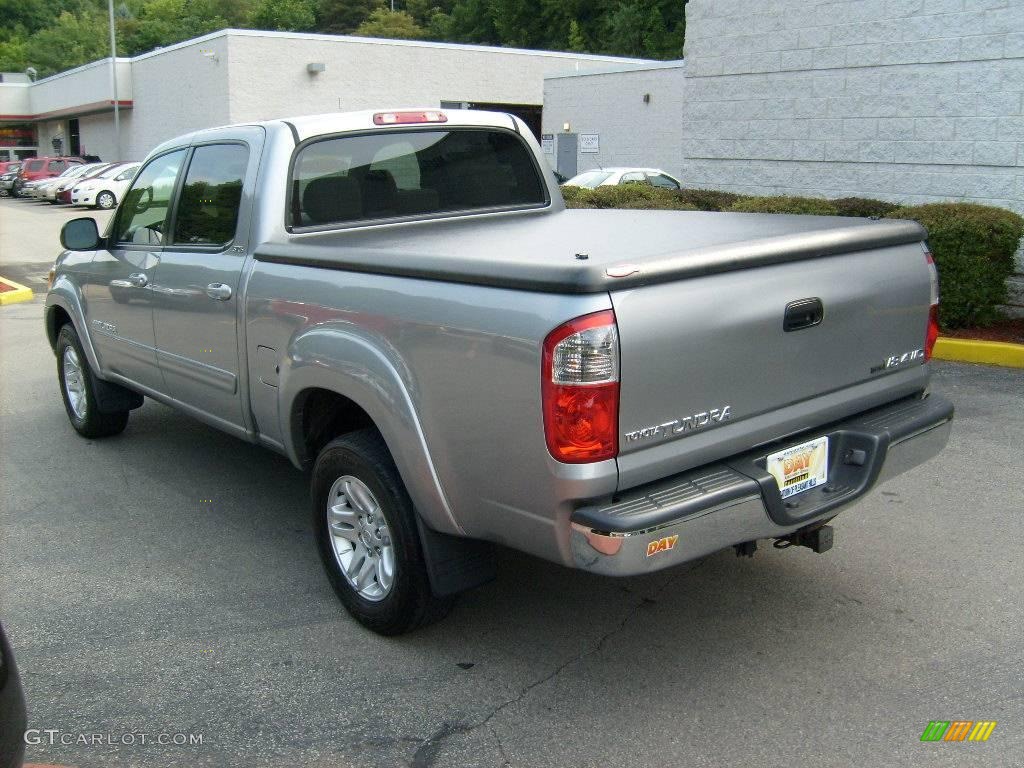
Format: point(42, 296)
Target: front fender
point(344, 359)
point(66, 294)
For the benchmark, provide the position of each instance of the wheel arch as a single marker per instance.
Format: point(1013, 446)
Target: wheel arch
point(333, 381)
point(63, 305)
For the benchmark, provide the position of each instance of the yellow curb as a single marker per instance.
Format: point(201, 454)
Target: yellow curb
point(976, 351)
point(19, 292)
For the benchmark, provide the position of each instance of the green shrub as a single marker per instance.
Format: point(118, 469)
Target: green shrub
point(973, 246)
point(710, 199)
point(863, 206)
point(621, 196)
point(781, 204)
point(673, 203)
point(571, 194)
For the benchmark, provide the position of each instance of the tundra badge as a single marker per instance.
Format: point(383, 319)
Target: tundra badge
point(683, 424)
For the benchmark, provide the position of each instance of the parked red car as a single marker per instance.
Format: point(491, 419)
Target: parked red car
point(37, 168)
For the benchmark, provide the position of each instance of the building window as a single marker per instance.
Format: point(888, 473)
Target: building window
point(18, 135)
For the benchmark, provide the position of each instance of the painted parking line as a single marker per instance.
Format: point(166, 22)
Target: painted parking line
point(12, 292)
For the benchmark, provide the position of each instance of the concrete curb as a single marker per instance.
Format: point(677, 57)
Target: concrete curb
point(15, 292)
point(976, 351)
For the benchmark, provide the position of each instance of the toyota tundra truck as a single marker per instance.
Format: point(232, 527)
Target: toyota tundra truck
point(400, 303)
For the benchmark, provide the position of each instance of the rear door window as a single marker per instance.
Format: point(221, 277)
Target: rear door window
point(352, 179)
point(210, 198)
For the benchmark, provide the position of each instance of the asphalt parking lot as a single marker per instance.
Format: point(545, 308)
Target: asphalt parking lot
point(165, 582)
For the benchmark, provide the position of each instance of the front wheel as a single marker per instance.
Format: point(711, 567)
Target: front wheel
point(78, 390)
point(105, 200)
point(367, 537)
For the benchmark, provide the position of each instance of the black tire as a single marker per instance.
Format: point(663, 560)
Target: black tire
point(105, 200)
point(92, 423)
point(410, 603)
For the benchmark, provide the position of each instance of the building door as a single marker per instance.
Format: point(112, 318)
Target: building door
point(196, 298)
point(566, 154)
point(74, 138)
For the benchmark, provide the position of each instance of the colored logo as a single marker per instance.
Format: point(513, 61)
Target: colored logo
point(958, 730)
point(662, 545)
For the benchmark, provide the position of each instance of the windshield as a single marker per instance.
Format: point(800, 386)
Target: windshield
point(106, 173)
point(589, 179)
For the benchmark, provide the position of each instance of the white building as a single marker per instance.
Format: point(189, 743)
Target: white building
point(234, 76)
point(911, 101)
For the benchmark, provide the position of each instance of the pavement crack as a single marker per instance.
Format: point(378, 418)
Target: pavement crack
point(428, 750)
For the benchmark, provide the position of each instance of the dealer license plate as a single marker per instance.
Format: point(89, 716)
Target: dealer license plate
point(801, 467)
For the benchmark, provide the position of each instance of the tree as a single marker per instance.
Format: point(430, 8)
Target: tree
point(14, 55)
point(165, 22)
point(576, 41)
point(343, 17)
point(393, 24)
point(284, 15)
point(70, 42)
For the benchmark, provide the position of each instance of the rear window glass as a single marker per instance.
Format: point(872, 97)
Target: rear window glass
point(34, 165)
point(411, 173)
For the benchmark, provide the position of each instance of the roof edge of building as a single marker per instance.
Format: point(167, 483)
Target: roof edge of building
point(389, 42)
point(105, 62)
point(642, 66)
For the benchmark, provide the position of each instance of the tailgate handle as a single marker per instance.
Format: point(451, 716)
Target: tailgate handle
point(803, 313)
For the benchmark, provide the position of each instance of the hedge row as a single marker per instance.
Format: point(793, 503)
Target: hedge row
point(973, 245)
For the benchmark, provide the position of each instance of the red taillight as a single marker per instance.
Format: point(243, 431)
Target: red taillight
point(932, 334)
point(407, 118)
point(580, 389)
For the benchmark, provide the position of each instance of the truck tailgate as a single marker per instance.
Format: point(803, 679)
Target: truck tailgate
point(707, 366)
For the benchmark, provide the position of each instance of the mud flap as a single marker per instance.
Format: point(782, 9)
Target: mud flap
point(455, 564)
point(111, 398)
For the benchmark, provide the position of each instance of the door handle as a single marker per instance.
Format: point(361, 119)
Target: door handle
point(138, 279)
point(218, 291)
point(804, 313)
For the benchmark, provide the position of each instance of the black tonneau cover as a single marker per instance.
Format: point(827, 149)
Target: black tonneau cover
point(545, 250)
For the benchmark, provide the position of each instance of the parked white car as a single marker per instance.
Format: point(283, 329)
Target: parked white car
point(63, 182)
point(609, 177)
point(104, 190)
point(46, 189)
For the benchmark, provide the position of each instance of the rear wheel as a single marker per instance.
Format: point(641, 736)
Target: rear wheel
point(78, 391)
point(367, 537)
point(105, 200)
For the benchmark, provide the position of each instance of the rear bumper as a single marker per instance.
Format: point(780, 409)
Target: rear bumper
point(702, 511)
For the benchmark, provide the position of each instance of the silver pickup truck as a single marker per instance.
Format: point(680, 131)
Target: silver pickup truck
point(400, 302)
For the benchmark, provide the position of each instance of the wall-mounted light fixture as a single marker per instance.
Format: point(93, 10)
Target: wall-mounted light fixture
point(566, 127)
point(211, 55)
point(315, 67)
point(647, 98)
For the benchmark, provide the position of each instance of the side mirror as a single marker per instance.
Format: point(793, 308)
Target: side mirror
point(80, 235)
